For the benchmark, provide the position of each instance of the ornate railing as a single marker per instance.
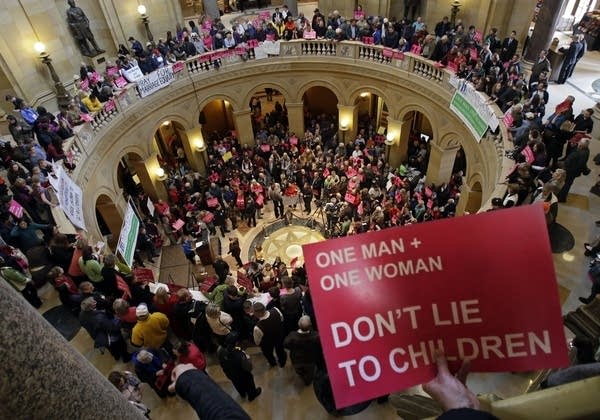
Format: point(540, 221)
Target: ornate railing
point(207, 65)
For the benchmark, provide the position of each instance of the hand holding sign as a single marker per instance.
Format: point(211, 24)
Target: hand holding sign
point(449, 285)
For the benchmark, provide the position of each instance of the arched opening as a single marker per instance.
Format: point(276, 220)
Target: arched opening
point(109, 219)
point(216, 119)
point(127, 177)
point(268, 109)
point(460, 162)
point(372, 114)
point(419, 140)
point(168, 143)
point(319, 101)
point(474, 201)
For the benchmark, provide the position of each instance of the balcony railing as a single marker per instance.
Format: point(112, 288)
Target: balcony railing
point(206, 65)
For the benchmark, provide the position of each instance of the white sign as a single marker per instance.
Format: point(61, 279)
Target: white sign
point(128, 235)
point(70, 198)
point(271, 47)
point(155, 81)
point(260, 53)
point(150, 206)
point(133, 74)
point(476, 100)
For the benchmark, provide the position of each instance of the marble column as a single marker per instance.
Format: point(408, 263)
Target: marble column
point(348, 122)
point(243, 125)
point(596, 119)
point(293, 7)
point(401, 131)
point(43, 377)
point(152, 185)
point(195, 149)
point(211, 8)
point(543, 29)
point(296, 117)
point(441, 162)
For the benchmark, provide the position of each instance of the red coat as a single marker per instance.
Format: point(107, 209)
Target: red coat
point(195, 357)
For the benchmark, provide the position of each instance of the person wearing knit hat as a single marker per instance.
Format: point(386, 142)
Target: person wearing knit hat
point(150, 331)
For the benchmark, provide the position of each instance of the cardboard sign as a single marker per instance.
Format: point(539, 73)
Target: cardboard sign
point(369, 40)
point(112, 71)
point(349, 198)
point(15, 209)
point(227, 156)
point(415, 49)
point(470, 285)
point(208, 217)
point(309, 35)
point(110, 105)
point(212, 202)
point(143, 275)
point(177, 66)
point(120, 82)
point(293, 140)
point(178, 224)
point(85, 85)
point(388, 52)
point(265, 147)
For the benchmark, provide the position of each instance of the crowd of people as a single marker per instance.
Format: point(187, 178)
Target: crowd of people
point(298, 174)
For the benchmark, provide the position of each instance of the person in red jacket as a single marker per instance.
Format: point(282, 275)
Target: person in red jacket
point(188, 352)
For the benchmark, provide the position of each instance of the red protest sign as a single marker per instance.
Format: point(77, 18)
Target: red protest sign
point(470, 285)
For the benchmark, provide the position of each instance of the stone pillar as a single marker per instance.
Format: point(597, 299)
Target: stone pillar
point(293, 7)
point(596, 118)
point(401, 131)
point(440, 165)
point(152, 185)
point(243, 125)
point(348, 122)
point(195, 149)
point(296, 117)
point(211, 8)
point(461, 205)
point(43, 376)
point(543, 29)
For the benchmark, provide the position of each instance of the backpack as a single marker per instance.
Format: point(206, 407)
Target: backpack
point(29, 115)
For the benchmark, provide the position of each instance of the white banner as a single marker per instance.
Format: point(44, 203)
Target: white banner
point(477, 100)
point(271, 47)
point(70, 198)
point(133, 74)
point(150, 206)
point(155, 81)
point(128, 235)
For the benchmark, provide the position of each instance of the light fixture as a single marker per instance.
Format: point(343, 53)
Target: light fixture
point(390, 138)
point(146, 21)
point(160, 174)
point(454, 9)
point(344, 124)
point(364, 94)
point(200, 145)
point(166, 123)
point(62, 96)
point(39, 47)
point(226, 102)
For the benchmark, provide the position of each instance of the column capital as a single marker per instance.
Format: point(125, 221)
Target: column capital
point(294, 105)
point(242, 112)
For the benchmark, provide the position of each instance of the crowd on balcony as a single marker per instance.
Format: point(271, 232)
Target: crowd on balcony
point(295, 174)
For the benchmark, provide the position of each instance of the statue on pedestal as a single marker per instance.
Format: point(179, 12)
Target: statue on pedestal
point(80, 28)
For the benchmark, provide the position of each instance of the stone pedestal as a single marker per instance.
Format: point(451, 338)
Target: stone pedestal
point(544, 28)
point(97, 61)
point(43, 377)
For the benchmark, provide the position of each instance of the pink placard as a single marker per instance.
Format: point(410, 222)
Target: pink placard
point(178, 224)
point(399, 55)
point(111, 71)
point(15, 209)
point(212, 202)
point(369, 40)
point(85, 84)
point(293, 140)
point(86, 117)
point(121, 82)
point(177, 66)
point(265, 147)
point(260, 200)
point(309, 35)
point(350, 198)
point(208, 217)
point(416, 49)
point(252, 43)
point(359, 14)
point(452, 66)
point(110, 105)
point(388, 52)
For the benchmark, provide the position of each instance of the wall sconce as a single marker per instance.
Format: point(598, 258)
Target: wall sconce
point(160, 174)
point(146, 21)
point(166, 123)
point(200, 145)
point(344, 124)
point(454, 9)
point(62, 96)
point(390, 139)
point(364, 94)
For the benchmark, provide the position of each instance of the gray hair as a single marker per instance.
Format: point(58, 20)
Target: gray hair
point(213, 310)
point(304, 323)
point(88, 304)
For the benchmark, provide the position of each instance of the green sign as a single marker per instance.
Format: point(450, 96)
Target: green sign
point(469, 115)
point(128, 235)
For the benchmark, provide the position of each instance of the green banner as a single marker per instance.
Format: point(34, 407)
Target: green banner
point(469, 115)
point(128, 235)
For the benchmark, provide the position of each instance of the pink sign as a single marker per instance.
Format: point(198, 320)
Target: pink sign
point(112, 71)
point(388, 52)
point(265, 147)
point(414, 292)
point(15, 209)
point(212, 202)
point(252, 43)
point(178, 224)
point(309, 35)
point(121, 82)
point(177, 66)
point(293, 140)
point(110, 105)
point(85, 84)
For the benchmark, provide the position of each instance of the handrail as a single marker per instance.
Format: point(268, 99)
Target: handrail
point(209, 64)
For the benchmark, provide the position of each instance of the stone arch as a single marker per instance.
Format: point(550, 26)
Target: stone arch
point(377, 91)
point(318, 83)
point(448, 140)
point(178, 118)
point(223, 97)
point(431, 118)
point(134, 149)
point(289, 97)
point(105, 206)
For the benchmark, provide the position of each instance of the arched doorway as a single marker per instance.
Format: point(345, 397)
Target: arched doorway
point(372, 115)
point(420, 136)
point(319, 100)
point(109, 219)
point(474, 201)
point(216, 119)
point(127, 177)
point(268, 108)
point(168, 143)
